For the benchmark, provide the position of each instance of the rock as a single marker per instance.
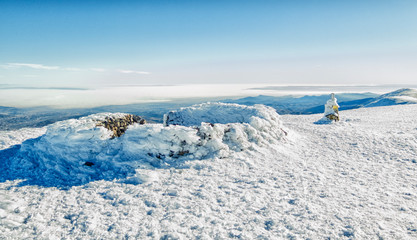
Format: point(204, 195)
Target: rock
point(119, 125)
point(333, 117)
point(89, 164)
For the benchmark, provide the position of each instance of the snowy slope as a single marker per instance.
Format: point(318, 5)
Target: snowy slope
point(355, 179)
point(308, 104)
point(314, 104)
point(398, 97)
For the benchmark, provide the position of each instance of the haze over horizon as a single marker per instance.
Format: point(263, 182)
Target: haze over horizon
point(102, 43)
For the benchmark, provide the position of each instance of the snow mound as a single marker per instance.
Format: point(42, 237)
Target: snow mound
point(219, 113)
point(77, 151)
point(60, 155)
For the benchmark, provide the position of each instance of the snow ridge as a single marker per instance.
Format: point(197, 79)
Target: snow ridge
point(398, 97)
point(78, 151)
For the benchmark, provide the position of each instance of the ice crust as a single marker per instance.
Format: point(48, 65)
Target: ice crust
point(63, 154)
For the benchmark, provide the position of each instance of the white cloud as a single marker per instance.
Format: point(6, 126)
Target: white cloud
point(38, 66)
point(31, 65)
point(72, 69)
point(132, 71)
point(98, 69)
point(45, 67)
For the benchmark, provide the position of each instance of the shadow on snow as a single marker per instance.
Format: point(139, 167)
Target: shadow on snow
point(33, 171)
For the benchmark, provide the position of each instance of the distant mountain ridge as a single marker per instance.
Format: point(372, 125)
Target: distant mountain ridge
point(315, 104)
point(16, 118)
point(400, 96)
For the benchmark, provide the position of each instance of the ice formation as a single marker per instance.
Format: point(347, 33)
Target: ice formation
point(80, 150)
point(219, 113)
point(331, 111)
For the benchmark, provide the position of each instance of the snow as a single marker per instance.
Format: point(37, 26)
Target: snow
point(218, 113)
point(400, 96)
point(405, 99)
point(61, 156)
point(354, 179)
point(329, 107)
point(10, 138)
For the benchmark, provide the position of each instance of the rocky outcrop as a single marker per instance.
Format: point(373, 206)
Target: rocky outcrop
point(118, 125)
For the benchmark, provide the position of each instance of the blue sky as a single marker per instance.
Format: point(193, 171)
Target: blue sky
point(73, 43)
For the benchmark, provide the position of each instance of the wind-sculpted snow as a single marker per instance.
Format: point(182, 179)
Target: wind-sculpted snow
point(78, 151)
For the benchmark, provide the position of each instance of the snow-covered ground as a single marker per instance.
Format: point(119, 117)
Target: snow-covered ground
point(355, 179)
point(10, 138)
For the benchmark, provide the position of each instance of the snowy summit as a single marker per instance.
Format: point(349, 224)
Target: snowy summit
point(215, 171)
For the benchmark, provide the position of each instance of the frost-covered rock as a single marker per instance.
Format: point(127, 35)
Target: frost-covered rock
point(77, 151)
point(59, 156)
point(331, 111)
point(223, 126)
point(219, 113)
point(119, 125)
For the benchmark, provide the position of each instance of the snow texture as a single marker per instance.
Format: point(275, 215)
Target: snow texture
point(354, 179)
point(222, 113)
point(77, 151)
point(14, 137)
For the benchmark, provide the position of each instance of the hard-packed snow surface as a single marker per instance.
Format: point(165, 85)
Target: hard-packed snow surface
point(354, 179)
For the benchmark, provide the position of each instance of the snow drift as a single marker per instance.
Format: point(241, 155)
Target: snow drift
point(77, 151)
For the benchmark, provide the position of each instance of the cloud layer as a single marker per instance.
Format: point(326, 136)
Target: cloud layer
point(132, 71)
point(46, 67)
point(30, 65)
